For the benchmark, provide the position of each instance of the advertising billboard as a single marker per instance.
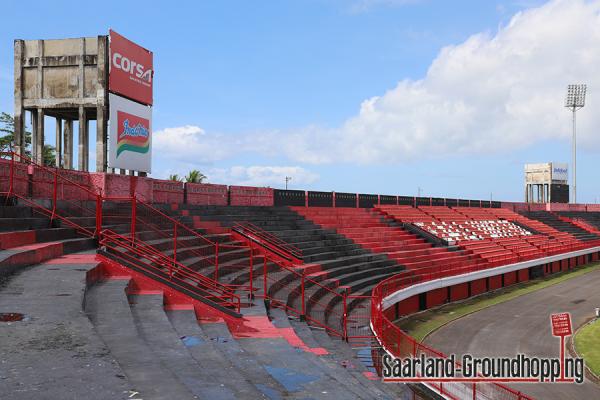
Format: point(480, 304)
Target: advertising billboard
point(130, 69)
point(130, 135)
point(560, 172)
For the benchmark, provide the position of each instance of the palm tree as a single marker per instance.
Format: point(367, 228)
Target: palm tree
point(195, 176)
point(175, 177)
point(7, 141)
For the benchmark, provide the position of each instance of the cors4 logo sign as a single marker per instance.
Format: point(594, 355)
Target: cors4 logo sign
point(131, 72)
point(133, 133)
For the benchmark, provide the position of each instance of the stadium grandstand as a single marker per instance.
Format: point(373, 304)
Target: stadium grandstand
point(221, 292)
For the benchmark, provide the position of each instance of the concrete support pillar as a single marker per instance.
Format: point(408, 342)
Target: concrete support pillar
point(68, 144)
point(58, 158)
point(19, 112)
point(101, 138)
point(83, 148)
point(40, 137)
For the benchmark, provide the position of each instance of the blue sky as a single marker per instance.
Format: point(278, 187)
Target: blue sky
point(371, 96)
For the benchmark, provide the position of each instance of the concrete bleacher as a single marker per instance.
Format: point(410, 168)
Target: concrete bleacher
point(169, 351)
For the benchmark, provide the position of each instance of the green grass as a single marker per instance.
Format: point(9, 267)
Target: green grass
point(421, 325)
point(587, 344)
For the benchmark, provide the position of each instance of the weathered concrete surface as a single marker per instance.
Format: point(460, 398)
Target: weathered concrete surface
point(522, 325)
point(54, 353)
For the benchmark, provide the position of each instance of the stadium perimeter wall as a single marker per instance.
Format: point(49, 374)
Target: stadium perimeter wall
point(32, 181)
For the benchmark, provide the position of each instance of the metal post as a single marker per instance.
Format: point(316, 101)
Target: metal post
point(345, 316)
point(302, 295)
point(574, 150)
point(54, 193)
point(98, 215)
point(174, 242)
point(474, 391)
point(216, 261)
point(133, 217)
point(265, 277)
point(251, 273)
point(11, 174)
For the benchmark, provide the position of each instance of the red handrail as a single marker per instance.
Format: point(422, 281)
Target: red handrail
point(224, 293)
point(265, 239)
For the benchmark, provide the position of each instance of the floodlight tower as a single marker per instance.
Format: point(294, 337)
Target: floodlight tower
point(574, 101)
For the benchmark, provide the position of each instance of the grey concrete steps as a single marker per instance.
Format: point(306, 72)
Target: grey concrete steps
point(202, 379)
point(11, 260)
point(54, 352)
point(108, 309)
point(208, 352)
point(218, 333)
point(359, 383)
point(299, 371)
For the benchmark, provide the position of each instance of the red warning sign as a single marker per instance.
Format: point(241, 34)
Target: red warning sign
point(561, 324)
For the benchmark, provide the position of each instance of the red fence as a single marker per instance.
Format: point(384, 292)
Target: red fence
point(399, 344)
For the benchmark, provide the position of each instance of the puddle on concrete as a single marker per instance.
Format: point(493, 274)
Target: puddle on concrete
point(191, 341)
point(12, 317)
point(291, 380)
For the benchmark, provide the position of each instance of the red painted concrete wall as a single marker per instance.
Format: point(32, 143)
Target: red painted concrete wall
point(478, 287)
point(495, 282)
point(523, 275)
point(408, 306)
point(164, 191)
point(437, 297)
point(206, 194)
point(510, 278)
point(459, 292)
point(250, 196)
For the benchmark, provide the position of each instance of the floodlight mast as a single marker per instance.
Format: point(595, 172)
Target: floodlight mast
point(574, 101)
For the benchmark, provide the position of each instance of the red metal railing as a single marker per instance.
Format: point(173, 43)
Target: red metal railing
point(153, 261)
point(269, 241)
point(133, 230)
point(49, 192)
point(399, 344)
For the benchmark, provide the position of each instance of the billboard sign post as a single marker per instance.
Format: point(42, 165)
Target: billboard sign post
point(130, 137)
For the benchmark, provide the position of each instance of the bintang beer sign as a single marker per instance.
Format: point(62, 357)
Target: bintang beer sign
point(130, 85)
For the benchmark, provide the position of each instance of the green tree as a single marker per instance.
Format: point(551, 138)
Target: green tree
point(175, 178)
point(195, 176)
point(7, 141)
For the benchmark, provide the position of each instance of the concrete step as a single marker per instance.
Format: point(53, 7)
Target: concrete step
point(108, 308)
point(200, 378)
point(206, 352)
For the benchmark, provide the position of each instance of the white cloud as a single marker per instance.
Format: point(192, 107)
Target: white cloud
point(488, 94)
point(262, 175)
point(493, 93)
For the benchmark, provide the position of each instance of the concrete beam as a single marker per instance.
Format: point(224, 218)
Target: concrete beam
point(101, 138)
point(39, 137)
point(58, 158)
point(83, 148)
point(19, 112)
